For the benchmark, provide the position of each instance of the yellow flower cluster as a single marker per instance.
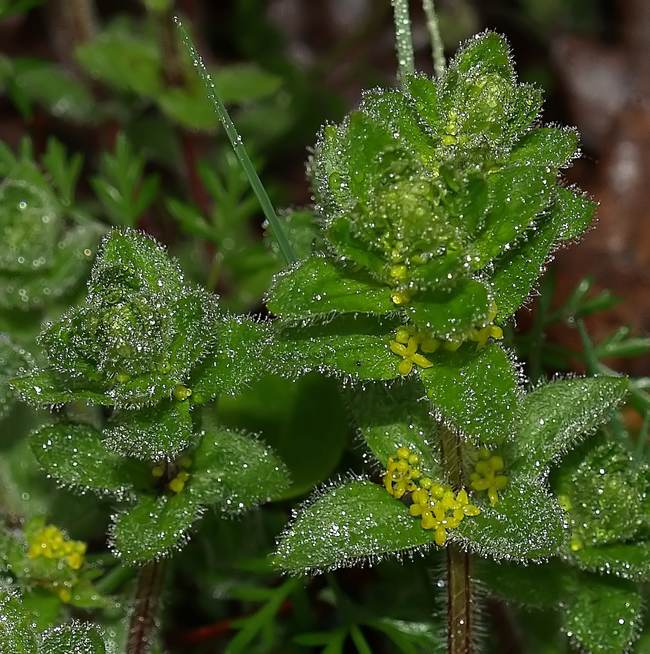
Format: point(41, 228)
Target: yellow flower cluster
point(436, 505)
point(177, 484)
point(440, 509)
point(401, 472)
point(406, 344)
point(488, 475)
point(51, 543)
point(409, 339)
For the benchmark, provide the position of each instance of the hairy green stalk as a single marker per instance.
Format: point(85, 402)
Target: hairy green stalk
point(403, 38)
point(145, 608)
point(238, 146)
point(459, 594)
point(437, 47)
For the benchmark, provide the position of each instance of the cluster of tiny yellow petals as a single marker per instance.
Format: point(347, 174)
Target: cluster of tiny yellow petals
point(437, 506)
point(406, 344)
point(401, 473)
point(408, 340)
point(488, 475)
point(177, 483)
point(440, 509)
point(50, 542)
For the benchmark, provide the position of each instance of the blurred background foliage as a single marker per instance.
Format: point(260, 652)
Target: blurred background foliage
point(101, 109)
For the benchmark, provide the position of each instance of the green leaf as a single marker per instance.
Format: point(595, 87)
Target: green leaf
point(75, 456)
point(518, 193)
point(526, 524)
point(72, 638)
point(16, 630)
point(43, 605)
point(45, 387)
point(349, 246)
point(301, 228)
point(517, 271)
point(394, 417)
point(393, 110)
point(238, 83)
point(579, 213)
point(347, 347)
point(474, 391)
point(625, 560)
point(235, 472)
point(153, 527)
point(424, 93)
point(411, 637)
point(53, 88)
point(317, 287)
point(188, 107)
point(546, 146)
point(131, 260)
point(370, 144)
point(12, 359)
point(157, 433)
point(357, 521)
point(556, 416)
point(236, 360)
point(603, 616)
point(63, 171)
point(537, 586)
point(304, 421)
point(122, 60)
point(603, 491)
point(452, 313)
point(488, 52)
point(70, 264)
point(123, 188)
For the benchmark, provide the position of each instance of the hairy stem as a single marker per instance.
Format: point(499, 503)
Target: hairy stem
point(238, 146)
point(403, 38)
point(459, 600)
point(145, 608)
point(437, 48)
point(459, 592)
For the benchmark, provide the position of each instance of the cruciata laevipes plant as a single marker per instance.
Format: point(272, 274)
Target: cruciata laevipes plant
point(155, 351)
point(439, 204)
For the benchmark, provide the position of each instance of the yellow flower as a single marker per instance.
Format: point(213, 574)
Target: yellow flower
point(488, 475)
point(177, 484)
point(51, 543)
point(435, 504)
point(443, 512)
point(400, 297)
point(406, 343)
point(401, 472)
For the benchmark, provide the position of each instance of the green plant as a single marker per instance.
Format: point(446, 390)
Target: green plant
point(155, 412)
